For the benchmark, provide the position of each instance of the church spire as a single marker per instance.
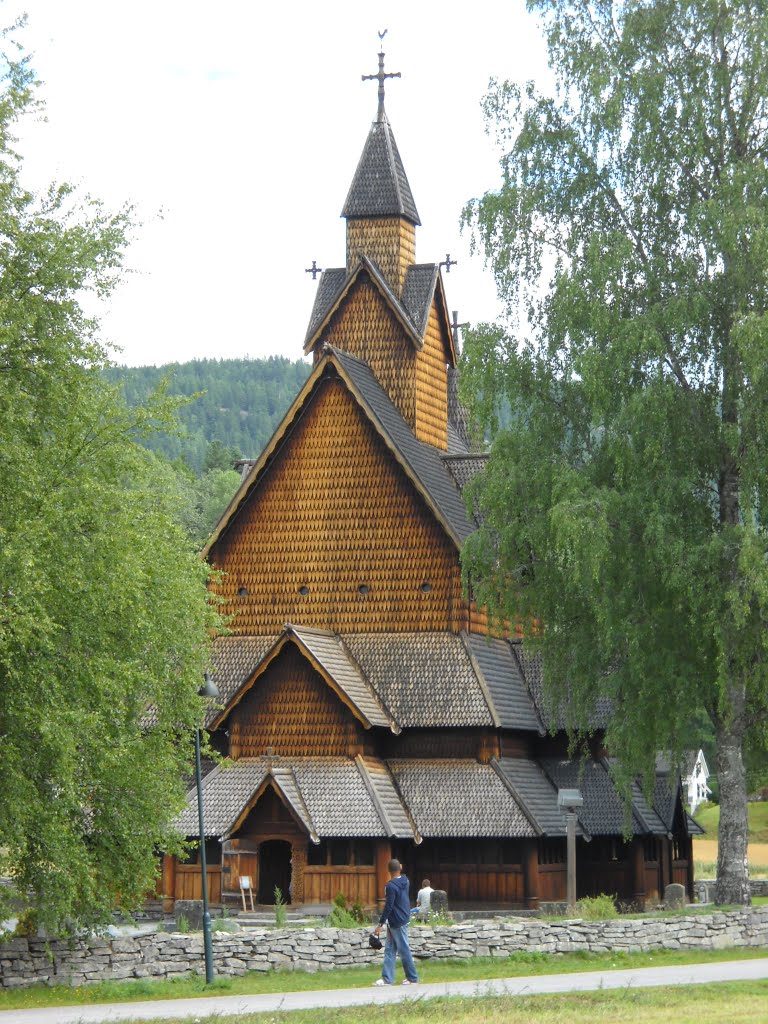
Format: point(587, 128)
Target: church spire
point(381, 76)
point(379, 209)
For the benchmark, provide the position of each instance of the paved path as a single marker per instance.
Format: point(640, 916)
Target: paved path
point(644, 977)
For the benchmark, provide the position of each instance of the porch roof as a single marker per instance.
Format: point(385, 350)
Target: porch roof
point(330, 796)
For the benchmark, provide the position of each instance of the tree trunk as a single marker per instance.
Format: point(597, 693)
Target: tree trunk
point(732, 866)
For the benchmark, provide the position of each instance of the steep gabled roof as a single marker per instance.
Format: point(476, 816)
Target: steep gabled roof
point(328, 796)
point(424, 679)
point(380, 186)
point(536, 794)
point(421, 462)
point(328, 657)
point(499, 671)
point(330, 296)
point(422, 284)
point(459, 797)
point(381, 786)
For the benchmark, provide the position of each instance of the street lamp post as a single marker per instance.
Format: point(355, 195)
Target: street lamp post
point(568, 800)
point(211, 691)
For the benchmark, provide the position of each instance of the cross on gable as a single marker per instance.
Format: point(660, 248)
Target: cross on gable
point(448, 263)
point(314, 270)
point(380, 76)
point(456, 327)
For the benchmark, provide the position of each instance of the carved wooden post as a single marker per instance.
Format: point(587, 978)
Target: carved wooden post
point(383, 856)
point(531, 869)
point(638, 872)
point(298, 863)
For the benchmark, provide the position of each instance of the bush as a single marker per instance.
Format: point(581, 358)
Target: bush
point(280, 911)
point(343, 917)
point(597, 908)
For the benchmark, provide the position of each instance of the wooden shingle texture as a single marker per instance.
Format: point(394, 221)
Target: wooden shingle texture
point(380, 185)
point(459, 798)
point(356, 521)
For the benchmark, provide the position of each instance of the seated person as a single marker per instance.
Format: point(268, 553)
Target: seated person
point(423, 899)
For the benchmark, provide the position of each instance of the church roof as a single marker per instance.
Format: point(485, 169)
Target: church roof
point(421, 462)
point(458, 797)
point(326, 653)
point(424, 461)
point(604, 812)
point(331, 796)
point(412, 310)
point(506, 687)
point(394, 680)
point(380, 186)
point(535, 793)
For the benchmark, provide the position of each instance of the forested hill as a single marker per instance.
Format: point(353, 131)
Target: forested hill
point(243, 401)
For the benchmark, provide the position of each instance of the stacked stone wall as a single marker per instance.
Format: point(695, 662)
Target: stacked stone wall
point(29, 961)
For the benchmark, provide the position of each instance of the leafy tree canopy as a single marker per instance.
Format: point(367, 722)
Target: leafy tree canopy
point(103, 604)
point(624, 507)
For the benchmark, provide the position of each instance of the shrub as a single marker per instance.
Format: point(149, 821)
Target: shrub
point(342, 917)
point(280, 911)
point(597, 908)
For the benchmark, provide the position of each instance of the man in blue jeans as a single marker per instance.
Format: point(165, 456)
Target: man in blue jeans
point(397, 915)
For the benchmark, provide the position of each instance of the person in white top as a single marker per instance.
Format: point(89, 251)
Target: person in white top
point(424, 898)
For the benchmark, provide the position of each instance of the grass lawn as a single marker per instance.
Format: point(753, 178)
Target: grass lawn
point(709, 818)
point(726, 1003)
point(518, 965)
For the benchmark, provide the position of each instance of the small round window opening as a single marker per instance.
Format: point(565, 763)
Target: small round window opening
point(242, 592)
point(304, 590)
point(363, 589)
point(426, 587)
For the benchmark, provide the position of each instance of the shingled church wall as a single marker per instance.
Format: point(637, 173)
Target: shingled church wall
point(29, 961)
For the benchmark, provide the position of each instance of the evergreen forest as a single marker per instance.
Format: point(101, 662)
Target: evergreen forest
point(237, 402)
point(226, 409)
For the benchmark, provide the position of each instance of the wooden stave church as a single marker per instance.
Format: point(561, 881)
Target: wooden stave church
point(366, 710)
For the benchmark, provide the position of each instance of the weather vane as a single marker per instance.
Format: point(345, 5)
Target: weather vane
point(380, 76)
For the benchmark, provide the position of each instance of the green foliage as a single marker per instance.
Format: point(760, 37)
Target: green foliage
point(182, 925)
point(229, 407)
point(597, 908)
point(103, 605)
point(280, 911)
point(342, 916)
point(624, 508)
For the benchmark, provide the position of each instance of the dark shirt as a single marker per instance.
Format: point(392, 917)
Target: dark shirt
point(397, 908)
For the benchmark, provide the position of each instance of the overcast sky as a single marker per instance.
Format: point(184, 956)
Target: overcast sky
point(235, 128)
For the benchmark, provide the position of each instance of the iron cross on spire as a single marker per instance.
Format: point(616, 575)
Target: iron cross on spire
point(381, 75)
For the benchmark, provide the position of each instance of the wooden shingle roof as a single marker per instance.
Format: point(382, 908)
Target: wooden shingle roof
point(328, 656)
point(329, 796)
point(457, 797)
point(422, 463)
point(380, 185)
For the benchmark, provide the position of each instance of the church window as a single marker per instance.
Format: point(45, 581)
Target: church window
point(426, 587)
point(363, 589)
point(242, 592)
point(304, 590)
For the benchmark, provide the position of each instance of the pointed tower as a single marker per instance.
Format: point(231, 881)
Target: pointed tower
point(383, 307)
point(380, 211)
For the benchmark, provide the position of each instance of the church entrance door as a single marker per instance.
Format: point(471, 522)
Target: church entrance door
point(274, 870)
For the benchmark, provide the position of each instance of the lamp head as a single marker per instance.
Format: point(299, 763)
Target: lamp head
point(209, 689)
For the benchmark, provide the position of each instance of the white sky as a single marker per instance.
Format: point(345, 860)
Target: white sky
point(242, 123)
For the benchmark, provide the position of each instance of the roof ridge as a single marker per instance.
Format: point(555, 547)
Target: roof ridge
point(480, 676)
point(394, 725)
point(521, 803)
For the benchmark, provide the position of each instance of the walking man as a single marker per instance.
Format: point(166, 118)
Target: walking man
point(397, 915)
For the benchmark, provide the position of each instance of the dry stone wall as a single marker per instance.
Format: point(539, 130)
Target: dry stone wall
point(27, 961)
